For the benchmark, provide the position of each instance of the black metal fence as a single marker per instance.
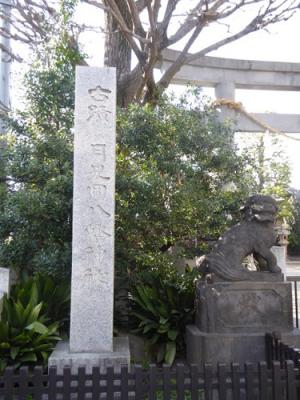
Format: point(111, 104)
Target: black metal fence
point(276, 350)
point(252, 382)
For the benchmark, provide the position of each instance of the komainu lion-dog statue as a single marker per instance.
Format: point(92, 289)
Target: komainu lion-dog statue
point(255, 234)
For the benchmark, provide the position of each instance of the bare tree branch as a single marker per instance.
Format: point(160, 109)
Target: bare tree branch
point(156, 7)
point(141, 5)
point(139, 30)
point(258, 22)
point(96, 3)
point(10, 53)
point(34, 22)
point(181, 59)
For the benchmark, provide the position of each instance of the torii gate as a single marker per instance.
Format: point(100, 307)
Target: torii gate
point(225, 75)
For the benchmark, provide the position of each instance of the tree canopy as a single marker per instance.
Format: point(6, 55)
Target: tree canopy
point(145, 29)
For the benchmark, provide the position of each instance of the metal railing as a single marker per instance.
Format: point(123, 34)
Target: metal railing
point(276, 350)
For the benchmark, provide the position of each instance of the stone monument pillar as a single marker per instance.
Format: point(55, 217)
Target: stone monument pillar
point(4, 284)
point(92, 289)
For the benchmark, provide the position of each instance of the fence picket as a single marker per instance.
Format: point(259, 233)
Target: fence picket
point(208, 380)
point(167, 382)
point(194, 374)
point(8, 383)
point(124, 382)
point(180, 381)
point(52, 389)
point(81, 389)
point(66, 382)
point(139, 387)
point(23, 383)
point(262, 380)
point(290, 380)
point(37, 383)
point(222, 381)
point(152, 382)
point(110, 382)
point(95, 383)
point(296, 303)
point(249, 372)
point(276, 380)
point(235, 379)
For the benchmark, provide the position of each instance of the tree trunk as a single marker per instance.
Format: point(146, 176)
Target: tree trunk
point(118, 53)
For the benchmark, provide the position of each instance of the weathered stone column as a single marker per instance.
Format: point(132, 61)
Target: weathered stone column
point(92, 288)
point(93, 211)
point(4, 284)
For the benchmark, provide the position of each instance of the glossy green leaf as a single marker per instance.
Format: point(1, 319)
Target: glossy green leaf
point(38, 328)
point(170, 352)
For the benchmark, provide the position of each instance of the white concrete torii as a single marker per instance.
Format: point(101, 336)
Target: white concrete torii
point(225, 75)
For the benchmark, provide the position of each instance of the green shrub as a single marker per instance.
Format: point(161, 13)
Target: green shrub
point(32, 319)
point(54, 297)
point(162, 304)
point(26, 337)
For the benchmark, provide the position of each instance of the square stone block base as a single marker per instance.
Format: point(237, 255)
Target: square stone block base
point(244, 307)
point(230, 347)
point(62, 357)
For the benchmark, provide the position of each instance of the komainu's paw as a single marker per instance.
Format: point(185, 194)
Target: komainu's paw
point(275, 269)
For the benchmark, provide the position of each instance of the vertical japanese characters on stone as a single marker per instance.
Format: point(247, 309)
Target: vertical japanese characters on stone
point(93, 211)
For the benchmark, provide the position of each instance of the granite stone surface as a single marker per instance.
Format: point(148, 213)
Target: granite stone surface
point(63, 357)
point(280, 254)
point(4, 284)
point(224, 347)
point(230, 347)
point(232, 319)
point(4, 280)
point(244, 307)
point(92, 288)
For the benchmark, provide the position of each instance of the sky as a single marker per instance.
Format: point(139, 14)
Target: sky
point(280, 43)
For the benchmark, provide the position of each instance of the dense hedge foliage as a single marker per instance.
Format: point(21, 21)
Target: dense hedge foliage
point(174, 164)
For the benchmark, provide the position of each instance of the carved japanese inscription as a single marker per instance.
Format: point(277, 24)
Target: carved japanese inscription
point(93, 211)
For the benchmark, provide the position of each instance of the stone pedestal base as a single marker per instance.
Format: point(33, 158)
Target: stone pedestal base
point(244, 307)
point(232, 319)
point(203, 347)
point(223, 347)
point(62, 357)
